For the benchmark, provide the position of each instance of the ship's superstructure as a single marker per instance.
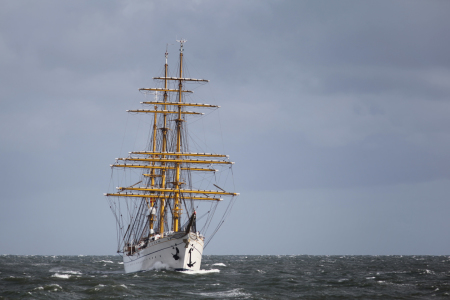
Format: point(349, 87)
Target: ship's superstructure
point(156, 216)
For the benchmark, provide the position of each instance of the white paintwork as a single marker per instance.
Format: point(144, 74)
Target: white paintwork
point(164, 251)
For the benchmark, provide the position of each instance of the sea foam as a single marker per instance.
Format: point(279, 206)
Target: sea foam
point(201, 272)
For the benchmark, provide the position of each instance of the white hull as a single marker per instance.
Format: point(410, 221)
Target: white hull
point(178, 251)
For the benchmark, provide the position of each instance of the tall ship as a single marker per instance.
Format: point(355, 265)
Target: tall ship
point(168, 193)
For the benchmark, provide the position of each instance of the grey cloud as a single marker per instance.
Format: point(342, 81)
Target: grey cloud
point(314, 94)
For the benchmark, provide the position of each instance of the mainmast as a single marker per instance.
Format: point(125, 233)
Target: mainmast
point(179, 121)
point(164, 130)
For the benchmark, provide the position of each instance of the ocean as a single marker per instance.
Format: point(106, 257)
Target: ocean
point(229, 277)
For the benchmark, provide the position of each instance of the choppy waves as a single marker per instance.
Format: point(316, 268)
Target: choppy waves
point(229, 277)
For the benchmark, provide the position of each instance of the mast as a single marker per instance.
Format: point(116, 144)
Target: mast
point(164, 149)
point(152, 175)
point(177, 183)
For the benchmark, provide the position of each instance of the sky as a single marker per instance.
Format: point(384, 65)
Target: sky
point(335, 112)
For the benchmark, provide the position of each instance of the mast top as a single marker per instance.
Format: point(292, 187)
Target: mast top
point(167, 52)
point(182, 41)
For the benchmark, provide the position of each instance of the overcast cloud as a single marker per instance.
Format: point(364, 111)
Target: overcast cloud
point(335, 112)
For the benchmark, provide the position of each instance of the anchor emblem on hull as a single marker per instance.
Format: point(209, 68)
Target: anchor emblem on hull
point(191, 264)
point(175, 256)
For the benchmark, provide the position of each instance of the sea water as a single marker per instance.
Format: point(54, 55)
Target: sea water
point(229, 277)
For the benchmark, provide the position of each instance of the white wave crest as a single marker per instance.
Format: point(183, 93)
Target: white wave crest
point(219, 264)
point(71, 272)
point(54, 287)
point(98, 287)
point(226, 294)
point(61, 270)
point(106, 261)
point(64, 276)
point(159, 266)
point(201, 272)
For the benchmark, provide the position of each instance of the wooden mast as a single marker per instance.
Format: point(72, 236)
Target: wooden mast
point(164, 149)
point(152, 200)
point(177, 183)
